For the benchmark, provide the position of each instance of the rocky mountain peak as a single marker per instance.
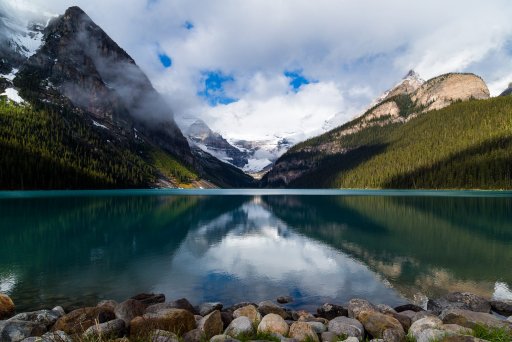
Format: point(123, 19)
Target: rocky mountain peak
point(199, 129)
point(80, 63)
point(507, 91)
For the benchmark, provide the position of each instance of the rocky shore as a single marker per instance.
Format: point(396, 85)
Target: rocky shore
point(456, 317)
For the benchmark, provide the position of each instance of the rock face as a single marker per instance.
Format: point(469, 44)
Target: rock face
point(356, 306)
point(178, 321)
point(45, 317)
point(77, 321)
point(460, 300)
point(301, 331)
point(443, 90)
point(79, 62)
point(273, 323)
point(7, 307)
point(507, 91)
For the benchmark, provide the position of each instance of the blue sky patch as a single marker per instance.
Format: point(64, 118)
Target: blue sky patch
point(165, 60)
point(188, 25)
point(213, 88)
point(297, 80)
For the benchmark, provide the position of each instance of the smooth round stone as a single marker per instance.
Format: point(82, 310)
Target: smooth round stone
point(7, 307)
point(206, 308)
point(329, 336)
point(273, 323)
point(250, 312)
point(211, 324)
point(112, 328)
point(129, 309)
point(284, 299)
point(346, 326)
point(317, 327)
point(302, 331)
point(240, 326)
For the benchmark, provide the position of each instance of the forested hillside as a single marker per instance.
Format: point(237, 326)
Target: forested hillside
point(467, 145)
point(56, 149)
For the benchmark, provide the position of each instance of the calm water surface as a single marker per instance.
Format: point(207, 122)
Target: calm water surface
point(76, 248)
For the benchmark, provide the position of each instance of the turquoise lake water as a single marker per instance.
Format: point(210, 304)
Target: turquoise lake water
point(75, 248)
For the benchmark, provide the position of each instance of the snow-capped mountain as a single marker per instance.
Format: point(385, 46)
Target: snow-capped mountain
point(203, 137)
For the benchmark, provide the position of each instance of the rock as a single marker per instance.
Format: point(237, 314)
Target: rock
point(355, 306)
point(376, 340)
point(195, 335)
point(422, 314)
point(470, 319)
point(351, 339)
point(408, 313)
point(223, 338)
point(77, 321)
point(108, 303)
point(15, 331)
point(403, 319)
point(227, 318)
point(385, 308)
point(509, 319)
point(408, 307)
point(150, 298)
point(178, 321)
point(206, 308)
point(456, 329)
point(380, 325)
point(347, 327)
point(284, 299)
point(429, 335)
point(163, 336)
point(240, 326)
point(267, 307)
point(502, 307)
point(198, 318)
point(330, 311)
point(182, 303)
point(57, 336)
point(302, 331)
point(250, 312)
point(459, 300)
point(7, 307)
point(110, 329)
point(424, 323)
point(45, 317)
point(129, 309)
point(59, 310)
point(443, 90)
point(329, 336)
point(238, 306)
point(283, 339)
point(318, 327)
point(211, 324)
point(273, 323)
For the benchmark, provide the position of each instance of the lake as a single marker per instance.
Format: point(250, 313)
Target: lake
point(75, 248)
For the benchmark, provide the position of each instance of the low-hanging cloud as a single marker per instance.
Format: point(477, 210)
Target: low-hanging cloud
point(353, 50)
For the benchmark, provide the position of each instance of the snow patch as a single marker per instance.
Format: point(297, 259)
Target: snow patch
point(11, 76)
point(31, 41)
point(12, 94)
point(97, 124)
point(256, 165)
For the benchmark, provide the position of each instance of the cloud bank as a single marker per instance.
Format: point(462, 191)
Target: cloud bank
point(346, 52)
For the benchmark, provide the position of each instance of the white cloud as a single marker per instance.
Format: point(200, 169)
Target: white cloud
point(355, 50)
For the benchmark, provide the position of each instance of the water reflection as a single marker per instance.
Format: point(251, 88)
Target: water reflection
point(77, 250)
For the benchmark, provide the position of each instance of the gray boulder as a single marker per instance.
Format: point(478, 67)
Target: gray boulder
point(206, 308)
point(347, 327)
point(503, 307)
point(356, 306)
point(240, 326)
point(57, 336)
point(330, 311)
point(129, 309)
point(15, 331)
point(266, 307)
point(470, 319)
point(111, 329)
point(459, 300)
point(45, 317)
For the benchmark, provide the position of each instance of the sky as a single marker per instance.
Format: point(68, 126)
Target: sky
point(255, 69)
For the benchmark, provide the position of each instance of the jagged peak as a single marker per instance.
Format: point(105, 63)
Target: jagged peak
point(411, 74)
point(74, 11)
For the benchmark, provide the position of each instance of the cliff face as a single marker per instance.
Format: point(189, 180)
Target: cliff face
point(80, 63)
point(443, 90)
point(408, 99)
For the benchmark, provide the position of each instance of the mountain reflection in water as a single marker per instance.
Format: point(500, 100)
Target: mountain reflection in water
point(76, 251)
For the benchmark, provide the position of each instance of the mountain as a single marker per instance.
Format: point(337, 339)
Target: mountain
point(203, 137)
point(507, 91)
point(405, 138)
point(85, 113)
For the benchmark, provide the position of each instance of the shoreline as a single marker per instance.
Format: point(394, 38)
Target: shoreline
point(149, 317)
